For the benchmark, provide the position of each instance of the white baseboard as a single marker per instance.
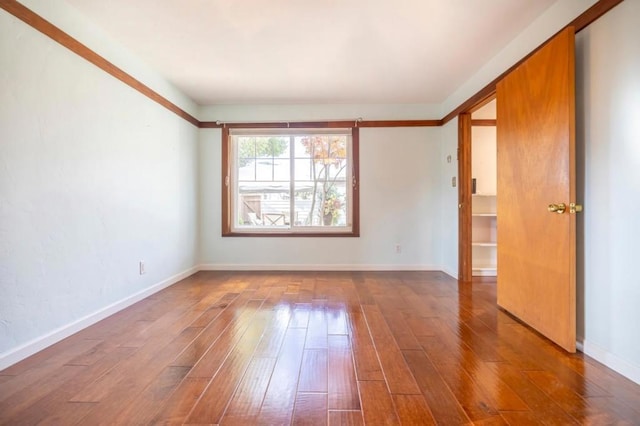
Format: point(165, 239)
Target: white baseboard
point(314, 267)
point(25, 350)
point(452, 274)
point(614, 362)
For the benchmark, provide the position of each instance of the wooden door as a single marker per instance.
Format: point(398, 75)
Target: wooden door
point(536, 168)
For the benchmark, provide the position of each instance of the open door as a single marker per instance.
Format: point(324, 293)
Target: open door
point(536, 186)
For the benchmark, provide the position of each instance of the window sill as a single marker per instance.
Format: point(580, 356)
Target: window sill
point(292, 234)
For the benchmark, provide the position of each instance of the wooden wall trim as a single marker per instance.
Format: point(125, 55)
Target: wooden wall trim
point(484, 122)
point(401, 123)
point(593, 13)
point(45, 27)
point(279, 125)
point(339, 124)
point(56, 34)
point(580, 23)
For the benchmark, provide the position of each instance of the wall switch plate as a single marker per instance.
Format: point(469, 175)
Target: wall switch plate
point(141, 267)
point(448, 158)
point(453, 181)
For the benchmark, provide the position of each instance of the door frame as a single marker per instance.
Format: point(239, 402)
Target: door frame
point(465, 123)
point(484, 95)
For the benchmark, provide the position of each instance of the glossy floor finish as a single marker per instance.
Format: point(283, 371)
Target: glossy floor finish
point(343, 348)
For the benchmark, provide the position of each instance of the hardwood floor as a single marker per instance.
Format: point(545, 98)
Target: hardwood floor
point(314, 348)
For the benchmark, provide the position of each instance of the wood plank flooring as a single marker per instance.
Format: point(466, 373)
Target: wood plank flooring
point(314, 348)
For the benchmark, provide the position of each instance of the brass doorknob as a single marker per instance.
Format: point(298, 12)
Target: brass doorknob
point(557, 208)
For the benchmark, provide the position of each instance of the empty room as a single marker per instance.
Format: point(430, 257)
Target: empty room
point(319, 212)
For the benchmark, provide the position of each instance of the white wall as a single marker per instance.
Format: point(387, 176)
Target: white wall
point(400, 175)
point(484, 159)
point(550, 22)
point(449, 224)
point(71, 21)
point(306, 112)
point(483, 151)
point(608, 134)
point(93, 178)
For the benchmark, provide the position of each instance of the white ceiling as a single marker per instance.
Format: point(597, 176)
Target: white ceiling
point(314, 51)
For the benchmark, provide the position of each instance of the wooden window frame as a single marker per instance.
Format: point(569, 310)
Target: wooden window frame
point(227, 187)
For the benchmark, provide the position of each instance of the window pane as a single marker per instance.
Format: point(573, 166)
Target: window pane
point(318, 146)
point(318, 204)
point(264, 169)
point(271, 146)
point(263, 148)
point(337, 147)
point(281, 170)
point(263, 205)
point(337, 169)
point(301, 149)
point(303, 203)
point(246, 147)
point(280, 147)
point(275, 208)
point(336, 204)
point(246, 169)
point(302, 169)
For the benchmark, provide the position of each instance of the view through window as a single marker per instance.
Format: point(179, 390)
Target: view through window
point(298, 181)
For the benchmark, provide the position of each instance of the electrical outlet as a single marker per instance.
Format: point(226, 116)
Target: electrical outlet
point(141, 266)
point(453, 181)
point(398, 248)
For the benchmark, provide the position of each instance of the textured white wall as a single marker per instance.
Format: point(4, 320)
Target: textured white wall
point(608, 134)
point(93, 178)
point(399, 203)
point(66, 17)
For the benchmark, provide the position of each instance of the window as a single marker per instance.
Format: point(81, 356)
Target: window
point(300, 182)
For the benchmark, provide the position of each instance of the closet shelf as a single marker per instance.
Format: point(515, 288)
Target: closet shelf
point(485, 271)
point(484, 244)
